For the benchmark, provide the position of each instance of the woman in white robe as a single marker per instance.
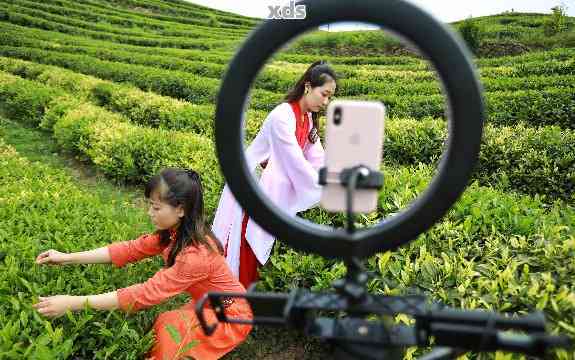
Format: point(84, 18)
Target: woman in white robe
point(290, 151)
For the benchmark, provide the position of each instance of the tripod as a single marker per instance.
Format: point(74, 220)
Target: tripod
point(354, 337)
point(452, 331)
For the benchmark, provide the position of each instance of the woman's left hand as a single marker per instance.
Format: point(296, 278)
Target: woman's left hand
point(55, 306)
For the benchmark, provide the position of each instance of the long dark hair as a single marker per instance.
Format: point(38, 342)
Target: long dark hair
point(183, 187)
point(317, 75)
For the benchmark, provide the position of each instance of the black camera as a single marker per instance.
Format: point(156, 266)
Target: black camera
point(337, 116)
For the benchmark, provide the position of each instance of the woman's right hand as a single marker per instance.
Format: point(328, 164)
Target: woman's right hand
point(53, 257)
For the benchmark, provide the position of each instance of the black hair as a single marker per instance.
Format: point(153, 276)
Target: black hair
point(317, 75)
point(183, 187)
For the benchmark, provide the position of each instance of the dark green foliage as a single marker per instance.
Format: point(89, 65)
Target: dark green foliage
point(129, 88)
point(557, 22)
point(471, 33)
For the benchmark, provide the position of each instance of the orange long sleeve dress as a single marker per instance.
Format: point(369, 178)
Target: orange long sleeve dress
point(196, 271)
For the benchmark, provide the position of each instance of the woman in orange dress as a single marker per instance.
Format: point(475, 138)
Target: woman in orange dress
point(194, 264)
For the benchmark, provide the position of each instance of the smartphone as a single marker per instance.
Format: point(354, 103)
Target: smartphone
point(354, 136)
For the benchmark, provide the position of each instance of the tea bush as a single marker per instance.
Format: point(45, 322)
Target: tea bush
point(529, 160)
point(42, 208)
point(130, 88)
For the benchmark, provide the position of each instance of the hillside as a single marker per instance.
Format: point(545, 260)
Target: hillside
point(97, 96)
point(505, 34)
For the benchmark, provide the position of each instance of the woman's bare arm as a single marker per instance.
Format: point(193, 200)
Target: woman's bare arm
point(107, 301)
point(96, 256)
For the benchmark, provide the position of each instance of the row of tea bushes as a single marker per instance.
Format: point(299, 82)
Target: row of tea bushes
point(179, 10)
point(119, 16)
point(279, 78)
point(140, 107)
point(26, 101)
point(215, 56)
point(30, 21)
point(530, 160)
point(551, 106)
point(31, 9)
point(116, 20)
point(351, 60)
point(493, 250)
point(21, 35)
point(177, 84)
point(125, 152)
point(521, 158)
point(542, 107)
point(280, 70)
point(557, 60)
point(204, 21)
point(130, 153)
point(88, 21)
point(43, 207)
point(559, 54)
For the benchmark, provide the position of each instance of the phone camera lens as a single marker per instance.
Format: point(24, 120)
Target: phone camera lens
point(337, 116)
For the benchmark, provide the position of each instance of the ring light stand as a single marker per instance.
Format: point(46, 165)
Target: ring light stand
point(354, 337)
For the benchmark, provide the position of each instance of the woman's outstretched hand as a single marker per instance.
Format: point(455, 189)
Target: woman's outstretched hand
point(55, 306)
point(53, 257)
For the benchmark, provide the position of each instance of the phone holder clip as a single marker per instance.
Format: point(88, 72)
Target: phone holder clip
point(367, 179)
point(357, 177)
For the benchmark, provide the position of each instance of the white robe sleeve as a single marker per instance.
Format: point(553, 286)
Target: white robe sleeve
point(300, 172)
point(229, 211)
point(259, 149)
point(315, 154)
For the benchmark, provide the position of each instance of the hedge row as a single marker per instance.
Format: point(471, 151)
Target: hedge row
point(354, 60)
point(12, 33)
point(534, 107)
point(139, 107)
point(131, 153)
point(173, 9)
point(125, 152)
point(177, 84)
point(90, 21)
point(400, 63)
point(178, 19)
point(31, 10)
point(25, 100)
point(425, 72)
point(405, 86)
point(560, 54)
point(533, 161)
point(29, 21)
point(521, 158)
point(132, 18)
point(159, 61)
point(541, 107)
point(549, 67)
point(493, 250)
point(279, 80)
